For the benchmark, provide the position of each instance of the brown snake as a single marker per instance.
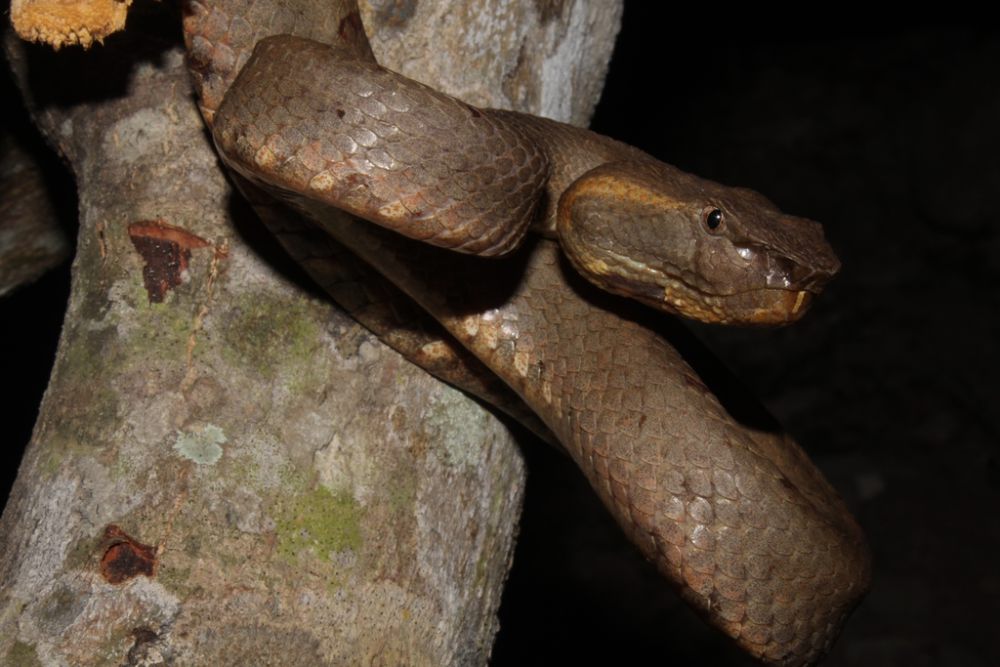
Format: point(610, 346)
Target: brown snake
point(739, 520)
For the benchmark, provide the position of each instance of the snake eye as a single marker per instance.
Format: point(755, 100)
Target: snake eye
point(713, 218)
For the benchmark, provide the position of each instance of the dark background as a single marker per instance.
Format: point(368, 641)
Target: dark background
point(891, 139)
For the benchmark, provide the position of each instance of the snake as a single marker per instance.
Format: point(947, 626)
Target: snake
point(520, 236)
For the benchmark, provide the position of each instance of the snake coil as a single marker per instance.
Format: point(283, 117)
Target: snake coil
point(739, 520)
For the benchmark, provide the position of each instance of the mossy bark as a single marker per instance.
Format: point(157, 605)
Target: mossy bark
point(225, 469)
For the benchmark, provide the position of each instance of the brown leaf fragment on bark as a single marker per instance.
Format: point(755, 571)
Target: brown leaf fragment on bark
point(124, 557)
point(166, 251)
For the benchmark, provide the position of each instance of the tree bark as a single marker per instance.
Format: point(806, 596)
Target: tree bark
point(225, 469)
point(32, 241)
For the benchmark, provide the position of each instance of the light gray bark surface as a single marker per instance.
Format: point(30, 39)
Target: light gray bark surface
point(226, 470)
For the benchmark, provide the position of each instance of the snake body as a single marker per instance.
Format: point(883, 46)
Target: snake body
point(740, 520)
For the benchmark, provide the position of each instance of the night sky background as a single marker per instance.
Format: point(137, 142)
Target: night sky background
point(892, 140)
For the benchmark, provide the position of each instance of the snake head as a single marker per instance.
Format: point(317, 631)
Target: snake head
point(692, 247)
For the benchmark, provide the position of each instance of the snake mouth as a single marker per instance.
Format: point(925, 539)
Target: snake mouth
point(762, 305)
point(780, 294)
point(783, 272)
point(755, 307)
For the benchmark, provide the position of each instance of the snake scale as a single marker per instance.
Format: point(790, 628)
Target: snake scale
point(740, 521)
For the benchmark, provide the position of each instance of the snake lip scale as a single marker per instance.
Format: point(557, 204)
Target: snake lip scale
point(738, 519)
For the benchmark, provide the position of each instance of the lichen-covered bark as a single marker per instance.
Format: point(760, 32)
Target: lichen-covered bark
point(225, 470)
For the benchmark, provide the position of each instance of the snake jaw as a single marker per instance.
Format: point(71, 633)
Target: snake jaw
point(768, 306)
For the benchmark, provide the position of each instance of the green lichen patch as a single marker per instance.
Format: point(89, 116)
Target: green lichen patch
point(51, 460)
point(177, 580)
point(85, 357)
point(320, 521)
point(403, 490)
point(81, 554)
point(271, 334)
point(60, 607)
point(448, 413)
point(155, 330)
point(203, 446)
point(23, 655)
